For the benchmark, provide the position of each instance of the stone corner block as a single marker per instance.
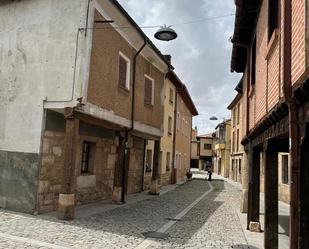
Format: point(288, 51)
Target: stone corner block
point(154, 187)
point(255, 227)
point(2, 202)
point(66, 206)
point(116, 196)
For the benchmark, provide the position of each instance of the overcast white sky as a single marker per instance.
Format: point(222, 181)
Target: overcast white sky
point(201, 54)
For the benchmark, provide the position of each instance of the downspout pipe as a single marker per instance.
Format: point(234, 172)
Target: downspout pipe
point(294, 129)
point(174, 139)
point(124, 170)
point(134, 83)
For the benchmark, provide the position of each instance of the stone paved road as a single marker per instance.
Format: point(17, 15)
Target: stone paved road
point(212, 223)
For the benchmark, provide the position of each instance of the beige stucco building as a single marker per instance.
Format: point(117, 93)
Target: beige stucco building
point(98, 98)
point(167, 140)
point(222, 148)
point(175, 142)
point(237, 133)
point(185, 109)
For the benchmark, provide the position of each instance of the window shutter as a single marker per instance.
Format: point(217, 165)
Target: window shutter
point(148, 91)
point(122, 72)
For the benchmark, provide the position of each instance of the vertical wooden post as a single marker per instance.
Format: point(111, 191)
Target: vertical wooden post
point(250, 184)
point(66, 201)
point(304, 190)
point(118, 175)
point(255, 215)
point(154, 188)
point(295, 175)
point(254, 190)
point(245, 183)
point(271, 196)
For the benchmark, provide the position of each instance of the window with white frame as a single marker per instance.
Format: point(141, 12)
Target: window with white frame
point(149, 90)
point(123, 71)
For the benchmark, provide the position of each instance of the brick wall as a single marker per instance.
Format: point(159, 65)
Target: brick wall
point(298, 39)
point(269, 60)
point(268, 85)
point(103, 87)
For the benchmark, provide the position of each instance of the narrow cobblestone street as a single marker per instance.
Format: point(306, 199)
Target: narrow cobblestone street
point(211, 223)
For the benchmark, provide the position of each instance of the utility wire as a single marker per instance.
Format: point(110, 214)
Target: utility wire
point(181, 23)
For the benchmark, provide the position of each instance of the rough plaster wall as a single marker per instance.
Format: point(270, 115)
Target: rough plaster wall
point(205, 152)
point(37, 56)
point(183, 142)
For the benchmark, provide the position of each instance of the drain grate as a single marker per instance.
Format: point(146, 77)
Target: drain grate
point(155, 235)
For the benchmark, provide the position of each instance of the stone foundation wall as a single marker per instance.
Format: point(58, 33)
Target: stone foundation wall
point(98, 184)
point(52, 173)
point(147, 180)
point(135, 171)
point(18, 180)
point(165, 179)
point(90, 187)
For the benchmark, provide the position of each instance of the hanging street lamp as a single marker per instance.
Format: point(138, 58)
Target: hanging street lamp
point(165, 34)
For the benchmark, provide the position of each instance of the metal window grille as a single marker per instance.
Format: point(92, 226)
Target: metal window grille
point(85, 157)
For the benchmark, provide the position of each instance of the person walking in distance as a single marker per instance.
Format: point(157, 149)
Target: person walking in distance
point(209, 173)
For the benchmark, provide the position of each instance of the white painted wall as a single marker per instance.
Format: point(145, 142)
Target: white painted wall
point(37, 58)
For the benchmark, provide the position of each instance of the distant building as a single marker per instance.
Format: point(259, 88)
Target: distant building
point(185, 110)
point(222, 148)
point(175, 143)
point(202, 151)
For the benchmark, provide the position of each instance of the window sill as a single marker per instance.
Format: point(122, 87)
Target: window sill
point(124, 89)
point(148, 105)
point(272, 44)
point(86, 173)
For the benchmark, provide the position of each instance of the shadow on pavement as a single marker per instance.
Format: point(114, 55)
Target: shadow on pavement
point(284, 221)
point(184, 232)
point(242, 246)
point(132, 220)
